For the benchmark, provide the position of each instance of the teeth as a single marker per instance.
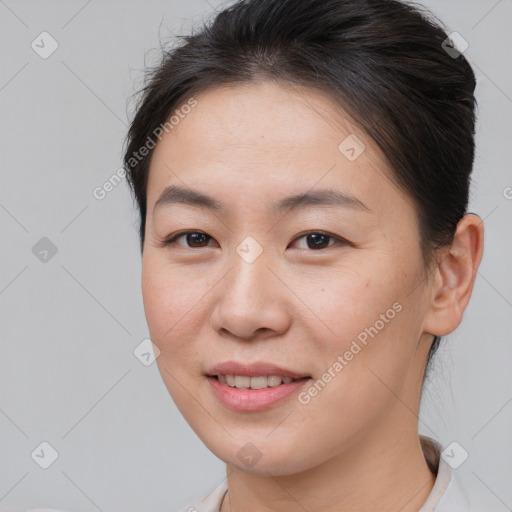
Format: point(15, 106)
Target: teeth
point(274, 380)
point(260, 382)
point(242, 382)
point(255, 382)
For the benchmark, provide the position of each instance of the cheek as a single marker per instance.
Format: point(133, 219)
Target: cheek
point(371, 328)
point(347, 303)
point(169, 305)
point(171, 300)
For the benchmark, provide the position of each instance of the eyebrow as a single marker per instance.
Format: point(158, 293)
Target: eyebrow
point(325, 197)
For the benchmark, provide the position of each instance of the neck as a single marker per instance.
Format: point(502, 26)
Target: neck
point(383, 472)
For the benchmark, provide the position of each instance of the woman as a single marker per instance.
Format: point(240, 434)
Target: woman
point(302, 169)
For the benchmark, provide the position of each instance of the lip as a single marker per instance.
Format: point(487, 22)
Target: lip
point(253, 400)
point(253, 370)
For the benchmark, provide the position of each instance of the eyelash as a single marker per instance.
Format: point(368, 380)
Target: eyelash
point(172, 240)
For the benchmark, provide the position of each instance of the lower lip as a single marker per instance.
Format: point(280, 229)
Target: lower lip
point(253, 400)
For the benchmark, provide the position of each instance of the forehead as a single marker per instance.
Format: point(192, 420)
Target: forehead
point(262, 138)
point(264, 116)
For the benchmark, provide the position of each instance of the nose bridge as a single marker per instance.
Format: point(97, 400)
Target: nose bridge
point(250, 297)
point(248, 283)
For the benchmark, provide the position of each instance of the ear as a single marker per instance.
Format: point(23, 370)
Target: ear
point(454, 277)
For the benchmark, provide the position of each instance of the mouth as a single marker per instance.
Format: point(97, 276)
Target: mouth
point(253, 387)
point(252, 394)
point(256, 382)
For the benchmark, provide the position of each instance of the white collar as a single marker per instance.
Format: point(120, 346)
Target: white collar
point(447, 495)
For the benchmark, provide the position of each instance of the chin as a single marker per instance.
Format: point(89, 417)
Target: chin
point(263, 458)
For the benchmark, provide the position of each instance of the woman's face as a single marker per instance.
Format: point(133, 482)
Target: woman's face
point(259, 284)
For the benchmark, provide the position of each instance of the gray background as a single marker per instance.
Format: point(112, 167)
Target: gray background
point(69, 325)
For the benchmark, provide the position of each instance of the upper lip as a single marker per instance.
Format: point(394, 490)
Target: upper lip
point(252, 370)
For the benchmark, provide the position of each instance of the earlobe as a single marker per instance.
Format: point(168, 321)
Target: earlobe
point(455, 276)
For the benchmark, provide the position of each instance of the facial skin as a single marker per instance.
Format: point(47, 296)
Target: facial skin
point(355, 445)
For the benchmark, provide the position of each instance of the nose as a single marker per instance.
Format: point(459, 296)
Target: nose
point(252, 301)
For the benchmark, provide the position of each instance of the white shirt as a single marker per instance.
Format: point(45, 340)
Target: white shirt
point(447, 495)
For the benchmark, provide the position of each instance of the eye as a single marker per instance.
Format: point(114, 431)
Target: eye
point(317, 240)
point(196, 239)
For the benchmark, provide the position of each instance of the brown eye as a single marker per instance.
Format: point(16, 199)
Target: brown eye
point(317, 240)
point(193, 239)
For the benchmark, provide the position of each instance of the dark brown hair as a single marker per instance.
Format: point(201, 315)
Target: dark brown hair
point(384, 61)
